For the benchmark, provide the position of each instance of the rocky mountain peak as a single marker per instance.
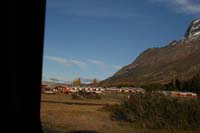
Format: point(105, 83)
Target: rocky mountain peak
point(193, 30)
point(179, 59)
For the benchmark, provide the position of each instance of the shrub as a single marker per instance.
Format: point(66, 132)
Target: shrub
point(153, 87)
point(86, 95)
point(158, 112)
point(92, 96)
point(76, 96)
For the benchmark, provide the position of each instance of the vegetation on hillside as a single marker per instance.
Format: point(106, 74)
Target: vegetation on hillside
point(192, 85)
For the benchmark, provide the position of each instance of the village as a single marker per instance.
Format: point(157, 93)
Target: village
point(69, 107)
point(98, 90)
point(65, 89)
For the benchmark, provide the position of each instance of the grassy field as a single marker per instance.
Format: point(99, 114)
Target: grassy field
point(61, 114)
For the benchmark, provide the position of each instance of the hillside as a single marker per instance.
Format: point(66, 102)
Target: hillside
point(177, 60)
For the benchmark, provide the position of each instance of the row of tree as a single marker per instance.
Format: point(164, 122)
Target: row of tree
point(192, 85)
point(77, 82)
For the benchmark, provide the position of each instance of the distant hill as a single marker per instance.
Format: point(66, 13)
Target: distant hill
point(52, 84)
point(177, 60)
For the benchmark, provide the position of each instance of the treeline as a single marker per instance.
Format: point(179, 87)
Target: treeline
point(119, 85)
point(77, 82)
point(192, 85)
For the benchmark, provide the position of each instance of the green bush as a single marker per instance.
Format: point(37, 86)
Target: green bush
point(192, 85)
point(76, 96)
point(85, 95)
point(92, 96)
point(153, 87)
point(158, 112)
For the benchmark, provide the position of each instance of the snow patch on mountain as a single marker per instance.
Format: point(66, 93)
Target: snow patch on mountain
point(194, 29)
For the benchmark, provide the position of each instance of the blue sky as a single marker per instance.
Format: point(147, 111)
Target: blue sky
point(95, 38)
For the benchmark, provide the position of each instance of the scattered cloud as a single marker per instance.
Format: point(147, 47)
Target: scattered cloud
point(103, 66)
point(99, 63)
point(182, 6)
point(86, 80)
point(54, 79)
point(78, 63)
point(67, 62)
point(56, 59)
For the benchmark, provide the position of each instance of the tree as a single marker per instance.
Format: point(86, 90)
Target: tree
point(153, 87)
point(94, 82)
point(193, 84)
point(170, 86)
point(77, 82)
point(178, 85)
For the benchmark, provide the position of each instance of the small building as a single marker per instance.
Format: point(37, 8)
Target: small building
point(177, 93)
point(61, 89)
point(132, 90)
point(113, 89)
point(182, 94)
point(43, 87)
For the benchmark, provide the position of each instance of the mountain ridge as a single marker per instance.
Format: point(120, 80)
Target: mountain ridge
point(177, 60)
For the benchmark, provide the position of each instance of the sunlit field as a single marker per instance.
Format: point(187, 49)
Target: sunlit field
point(60, 113)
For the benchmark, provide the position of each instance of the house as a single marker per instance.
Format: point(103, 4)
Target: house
point(132, 90)
point(48, 90)
point(61, 89)
point(183, 94)
point(113, 89)
point(177, 93)
point(43, 87)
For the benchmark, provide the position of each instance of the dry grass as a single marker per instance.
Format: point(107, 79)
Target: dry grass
point(58, 117)
point(107, 98)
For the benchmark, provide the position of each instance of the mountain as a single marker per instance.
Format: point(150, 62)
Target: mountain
point(193, 30)
point(52, 84)
point(177, 60)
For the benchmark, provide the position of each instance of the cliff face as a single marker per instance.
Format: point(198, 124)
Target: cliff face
point(179, 59)
point(194, 29)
